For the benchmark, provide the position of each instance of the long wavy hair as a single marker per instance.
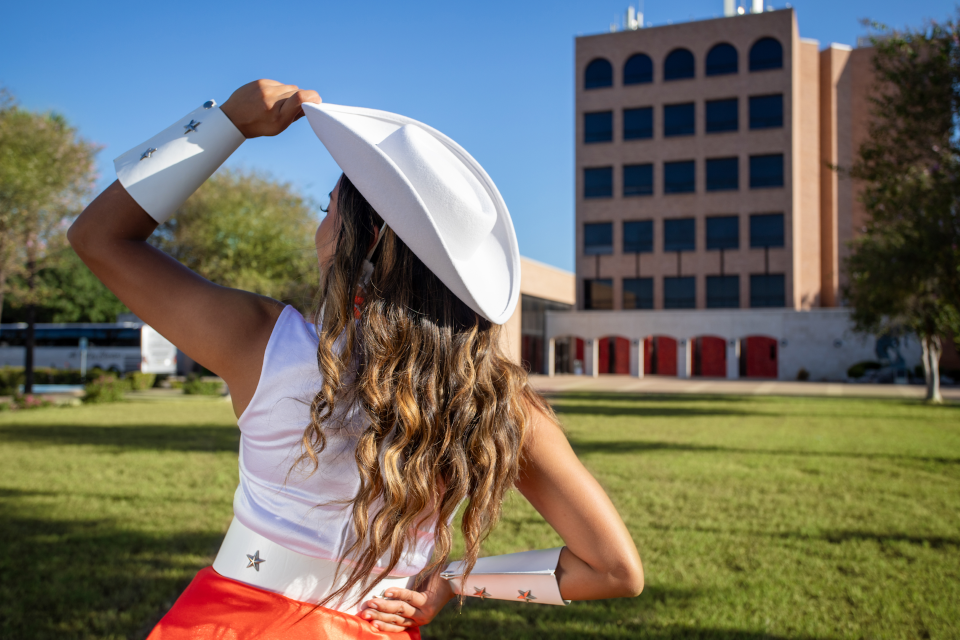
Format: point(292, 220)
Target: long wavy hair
point(445, 410)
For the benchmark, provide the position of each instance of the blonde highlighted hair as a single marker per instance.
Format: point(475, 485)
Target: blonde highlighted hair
point(445, 409)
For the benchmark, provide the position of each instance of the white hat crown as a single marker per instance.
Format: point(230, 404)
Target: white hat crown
point(437, 199)
point(444, 185)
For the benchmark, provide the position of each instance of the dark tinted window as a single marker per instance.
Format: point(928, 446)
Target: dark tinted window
point(638, 236)
point(597, 238)
point(678, 65)
point(599, 73)
point(680, 293)
point(766, 112)
point(766, 171)
point(57, 335)
point(638, 69)
point(679, 177)
point(638, 180)
point(722, 60)
point(598, 183)
point(598, 294)
point(723, 292)
point(766, 53)
point(766, 230)
point(680, 235)
point(679, 119)
point(722, 115)
point(767, 291)
point(598, 127)
point(723, 174)
point(638, 123)
point(638, 293)
point(723, 232)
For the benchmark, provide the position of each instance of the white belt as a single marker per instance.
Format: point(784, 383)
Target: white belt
point(248, 557)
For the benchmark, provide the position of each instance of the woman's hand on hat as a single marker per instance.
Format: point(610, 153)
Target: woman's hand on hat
point(266, 107)
point(404, 608)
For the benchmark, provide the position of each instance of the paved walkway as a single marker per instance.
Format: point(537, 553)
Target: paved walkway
point(660, 384)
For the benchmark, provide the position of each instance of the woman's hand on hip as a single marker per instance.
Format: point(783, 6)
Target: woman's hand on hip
point(266, 107)
point(405, 608)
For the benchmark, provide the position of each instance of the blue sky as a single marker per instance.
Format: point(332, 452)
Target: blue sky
point(495, 76)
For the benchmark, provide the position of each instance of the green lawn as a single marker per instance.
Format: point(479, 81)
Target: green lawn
point(755, 517)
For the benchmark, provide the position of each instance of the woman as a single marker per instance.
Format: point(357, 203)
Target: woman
point(361, 436)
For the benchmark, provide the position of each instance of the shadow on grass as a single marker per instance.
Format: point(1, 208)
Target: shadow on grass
point(836, 536)
point(211, 438)
point(619, 618)
point(641, 446)
point(647, 411)
point(90, 578)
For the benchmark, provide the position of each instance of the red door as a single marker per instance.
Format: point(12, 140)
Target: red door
point(621, 362)
point(713, 357)
point(604, 362)
point(761, 357)
point(648, 355)
point(666, 356)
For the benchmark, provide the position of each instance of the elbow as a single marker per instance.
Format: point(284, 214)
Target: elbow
point(635, 586)
point(77, 236)
point(626, 577)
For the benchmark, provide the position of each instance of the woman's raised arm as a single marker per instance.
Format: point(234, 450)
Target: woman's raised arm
point(225, 330)
point(600, 559)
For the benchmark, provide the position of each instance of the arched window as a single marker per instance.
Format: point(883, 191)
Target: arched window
point(766, 53)
point(599, 73)
point(678, 65)
point(722, 60)
point(638, 70)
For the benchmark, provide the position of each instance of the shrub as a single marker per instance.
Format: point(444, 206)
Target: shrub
point(196, 386)
point(137, 381)
point(860, 369)
point(803, 374)
point(30, 401)
point(10, 380)
point(105, 388)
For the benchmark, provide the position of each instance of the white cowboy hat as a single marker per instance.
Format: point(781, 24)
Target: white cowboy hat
point(434, 196)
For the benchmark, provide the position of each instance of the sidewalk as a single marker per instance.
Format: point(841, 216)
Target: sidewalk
point(661, 384)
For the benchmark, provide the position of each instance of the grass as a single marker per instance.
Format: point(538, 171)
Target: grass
point(756, 517)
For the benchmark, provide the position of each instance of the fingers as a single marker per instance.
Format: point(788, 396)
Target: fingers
point(387, 618)
point(415, 598)
point(291, 104)
point(397, 607)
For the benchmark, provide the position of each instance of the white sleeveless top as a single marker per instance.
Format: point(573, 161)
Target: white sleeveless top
point(296, 510)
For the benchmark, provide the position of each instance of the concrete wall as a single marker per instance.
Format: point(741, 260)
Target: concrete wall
point(834, 117)
point(806, 194)
point(542, 281)
point(820, 340)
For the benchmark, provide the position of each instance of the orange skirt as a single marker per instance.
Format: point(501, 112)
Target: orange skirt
point(216, 607)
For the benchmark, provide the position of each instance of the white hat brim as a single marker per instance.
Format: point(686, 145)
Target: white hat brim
point(488, 281)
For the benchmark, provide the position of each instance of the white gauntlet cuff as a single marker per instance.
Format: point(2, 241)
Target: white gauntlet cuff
point(529, 576)
point(161, 173)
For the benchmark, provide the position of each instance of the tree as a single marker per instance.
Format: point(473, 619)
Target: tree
point(904, 268)
point(243, 230)
point(46, 173)
point(81, 297)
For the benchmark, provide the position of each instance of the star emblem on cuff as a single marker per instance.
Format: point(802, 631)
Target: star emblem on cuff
point(481, 593)
point(191, 126)
point(255, 560)
point(147, 154)
point(526, 596)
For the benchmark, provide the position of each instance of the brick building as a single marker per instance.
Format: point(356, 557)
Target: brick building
point(710, 226)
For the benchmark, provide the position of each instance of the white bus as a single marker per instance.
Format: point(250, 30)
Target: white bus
point(116, 346)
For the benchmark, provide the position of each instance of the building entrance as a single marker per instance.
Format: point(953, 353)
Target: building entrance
point(758, 357)
point(660, 356)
